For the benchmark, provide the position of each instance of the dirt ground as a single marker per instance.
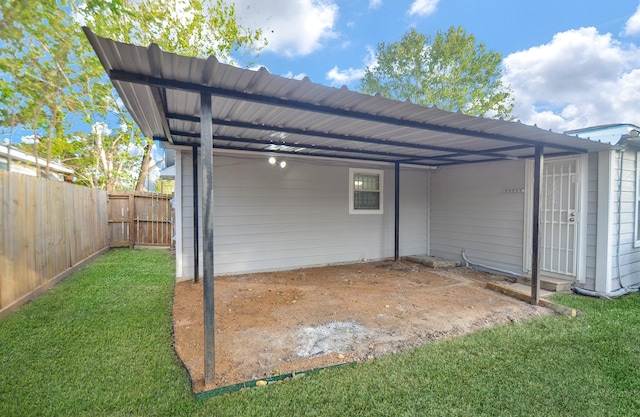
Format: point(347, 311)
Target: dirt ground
point(286, 322)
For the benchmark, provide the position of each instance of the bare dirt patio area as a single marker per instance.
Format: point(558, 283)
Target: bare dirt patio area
point(287, 322)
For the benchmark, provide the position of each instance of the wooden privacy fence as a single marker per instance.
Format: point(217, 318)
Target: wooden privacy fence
point(140, 219)
point(47, 229)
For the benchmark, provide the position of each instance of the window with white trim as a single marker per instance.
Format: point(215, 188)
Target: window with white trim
point(365, 191)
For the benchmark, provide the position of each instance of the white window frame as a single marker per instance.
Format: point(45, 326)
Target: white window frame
point(352, 173)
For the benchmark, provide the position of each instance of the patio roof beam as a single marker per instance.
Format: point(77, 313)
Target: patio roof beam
point(161, 106)
point(421, 161)
point(520, 157)
point(414, 161)
point(314, 154)
point(500, 149)
point(328, 135)
point(451, 152)
point(342, 156)
point(147, 80)
point(155, 60)
point(452, 162)
point(404, 156)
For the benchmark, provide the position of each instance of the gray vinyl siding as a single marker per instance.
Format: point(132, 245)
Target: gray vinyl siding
point(592, 220)
point(267, 218)
point(626, 258)
point(471, 210)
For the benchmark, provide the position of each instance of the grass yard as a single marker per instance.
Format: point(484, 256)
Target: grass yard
point(100, 344)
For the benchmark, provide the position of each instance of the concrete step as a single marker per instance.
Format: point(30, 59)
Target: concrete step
point(548, 283)
point(431, 261)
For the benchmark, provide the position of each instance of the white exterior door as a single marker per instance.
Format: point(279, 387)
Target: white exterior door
point(561, 219)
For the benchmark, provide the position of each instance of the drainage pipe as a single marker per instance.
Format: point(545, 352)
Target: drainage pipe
point(490, 268)
point(621, 153)
point(611, 294)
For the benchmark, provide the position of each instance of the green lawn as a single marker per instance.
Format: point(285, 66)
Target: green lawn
point(100, 344)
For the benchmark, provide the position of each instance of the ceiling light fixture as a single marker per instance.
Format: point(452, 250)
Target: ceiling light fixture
point(273, 161)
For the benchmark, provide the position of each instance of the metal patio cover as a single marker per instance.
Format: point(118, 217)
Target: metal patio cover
point(260, 112)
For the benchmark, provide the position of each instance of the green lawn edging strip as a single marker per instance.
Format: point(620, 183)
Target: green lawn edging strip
point(267, 381)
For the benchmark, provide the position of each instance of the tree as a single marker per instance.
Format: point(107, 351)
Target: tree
point(36, 71)
point(194, 28)
point(451, 71)
point(40, 61)
point(51, 82)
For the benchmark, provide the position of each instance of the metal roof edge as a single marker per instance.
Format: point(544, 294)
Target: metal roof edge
point(135, 77)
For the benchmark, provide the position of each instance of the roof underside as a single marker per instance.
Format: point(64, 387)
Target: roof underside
point(259, 112)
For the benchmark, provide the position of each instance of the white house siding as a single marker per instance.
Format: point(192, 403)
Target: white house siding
point(592, 221)
point(472, 210)
point(625, 265)
point(184, 215)
point(268, 218)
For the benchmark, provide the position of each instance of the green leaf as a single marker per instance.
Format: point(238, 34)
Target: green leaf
point(52, 84)
point(451, 71)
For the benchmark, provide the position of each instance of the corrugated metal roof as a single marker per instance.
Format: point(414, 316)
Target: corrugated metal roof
point(260, 112)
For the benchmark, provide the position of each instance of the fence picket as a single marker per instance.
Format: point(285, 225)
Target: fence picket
point(47, 227)
point(140, 219)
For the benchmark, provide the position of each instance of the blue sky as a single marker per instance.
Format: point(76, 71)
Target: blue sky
point(570, 63)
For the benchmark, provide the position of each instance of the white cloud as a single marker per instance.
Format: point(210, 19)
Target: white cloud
point(289, 74)
point(632, 27)
point(295, 77)
point(134, 150)
point(344, 77)
point(581, 78)
point(28, 139)
point(101, 128)
point(423, 7)
point(374, 4)
point(338, 77)
point(292, 27)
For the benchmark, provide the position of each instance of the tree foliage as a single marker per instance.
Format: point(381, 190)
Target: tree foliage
point(52, 84)
point(37, 72)
point(187, 27)
point(451, 71)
